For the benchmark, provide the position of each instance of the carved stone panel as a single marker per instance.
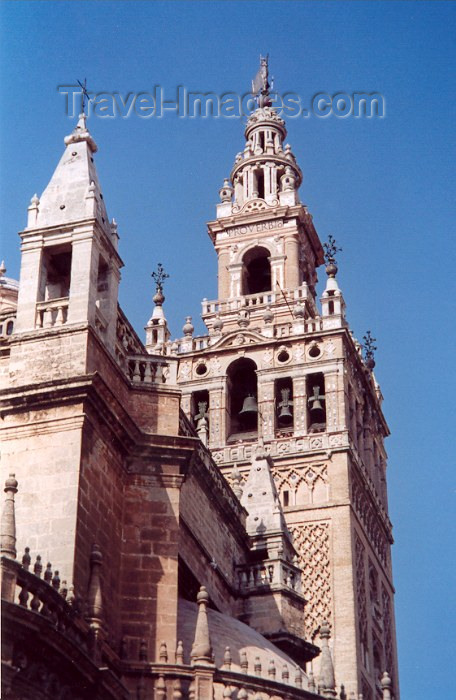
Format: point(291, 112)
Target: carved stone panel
point(312, 543)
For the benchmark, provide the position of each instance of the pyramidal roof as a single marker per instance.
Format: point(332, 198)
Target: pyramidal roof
point(73, 192)
point(261, 500)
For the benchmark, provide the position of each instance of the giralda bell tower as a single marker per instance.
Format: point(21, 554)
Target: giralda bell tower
point(280, 370)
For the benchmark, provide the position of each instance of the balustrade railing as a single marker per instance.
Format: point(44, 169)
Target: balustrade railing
point(53, 312)
point(151, 369)
point(273, 572)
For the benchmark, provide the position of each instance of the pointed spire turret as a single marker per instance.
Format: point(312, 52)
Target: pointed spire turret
point(265, 521)
point(74, 192)
point(327, 680)
point(157, 331)
point(202, 650)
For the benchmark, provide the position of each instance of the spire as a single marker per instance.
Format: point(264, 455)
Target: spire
point(332, 301)
point(202, 649)
point(157, 331)
point(8, 533)
point(327, 680)
point(265, 520)
point(74, 192)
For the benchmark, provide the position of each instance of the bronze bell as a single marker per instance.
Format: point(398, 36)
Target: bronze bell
point(285, 415)
point(249, 406)
point(315, 401)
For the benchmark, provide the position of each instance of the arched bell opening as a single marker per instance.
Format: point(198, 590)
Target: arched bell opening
point(316, 402)
point(284, 406)
point(242, 418)
point(256, 271)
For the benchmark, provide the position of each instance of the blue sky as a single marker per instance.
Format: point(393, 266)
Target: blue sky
point(382, 187)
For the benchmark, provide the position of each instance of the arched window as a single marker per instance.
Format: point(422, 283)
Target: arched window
point(242, 418)
point(256, 271)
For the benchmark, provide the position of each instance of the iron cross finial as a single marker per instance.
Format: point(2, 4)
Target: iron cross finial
point(85, 95)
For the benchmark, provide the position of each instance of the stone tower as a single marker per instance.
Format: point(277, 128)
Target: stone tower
point(279, 370)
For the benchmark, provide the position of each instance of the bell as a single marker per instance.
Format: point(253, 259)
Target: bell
point(249, 406)
point(285, 414)
point(315, 401)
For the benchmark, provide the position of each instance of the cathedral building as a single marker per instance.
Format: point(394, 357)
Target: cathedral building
point(202, 517)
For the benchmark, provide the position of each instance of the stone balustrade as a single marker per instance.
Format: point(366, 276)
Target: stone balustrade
point(151, 369)
point(274, 572)
point(53, 312)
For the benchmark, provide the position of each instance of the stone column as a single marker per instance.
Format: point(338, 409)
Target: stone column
point(84, 279)
point(217, 424)
point(299, 406)
point(28, 288)
point(266, 409)
point(292, 262)
point(332, 409)
point(223, 274)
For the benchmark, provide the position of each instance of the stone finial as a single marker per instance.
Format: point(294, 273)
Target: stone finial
point(298, 677)
point(272, 669)
point(226, 191)
point(244, 662)
point(386, 686)
point(163, 653)
point(8, 526)
point(326, 680)
point(311, 683)
point(26, 559)
point(179, 652)
point(227, 659)
point(188, 327)
point(94, 613)
point(48, 573)
point(37, 567)
point(56, 581)
point(2, 269)
point(202, 649)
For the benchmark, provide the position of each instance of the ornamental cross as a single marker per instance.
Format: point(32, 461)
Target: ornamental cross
point(159, 276)
point(368, 345)
point(85, 95)
point(331, 250)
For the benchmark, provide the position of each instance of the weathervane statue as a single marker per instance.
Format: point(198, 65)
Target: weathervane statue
point(260, 83)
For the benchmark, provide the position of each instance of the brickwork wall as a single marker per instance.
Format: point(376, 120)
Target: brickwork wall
point(222, 541)
point(148, 579)
point(99, 518)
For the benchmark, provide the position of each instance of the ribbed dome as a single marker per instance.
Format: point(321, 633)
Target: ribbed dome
point(226, 631)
